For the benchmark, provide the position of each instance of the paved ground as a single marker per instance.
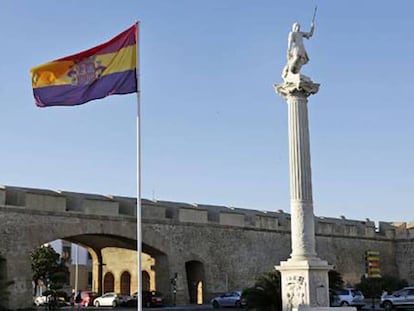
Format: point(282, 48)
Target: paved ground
point(368, 307)
point(166, 308)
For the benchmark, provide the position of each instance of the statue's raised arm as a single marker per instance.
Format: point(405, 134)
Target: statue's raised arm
point(309, 34)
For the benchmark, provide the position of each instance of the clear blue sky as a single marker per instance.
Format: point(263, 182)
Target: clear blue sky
point(213, 130)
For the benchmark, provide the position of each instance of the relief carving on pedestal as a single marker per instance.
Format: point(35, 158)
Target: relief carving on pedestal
point(295, 291)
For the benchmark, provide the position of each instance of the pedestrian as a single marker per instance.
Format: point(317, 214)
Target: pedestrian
point(78, 301)
point(51, 301)
point(72, 299)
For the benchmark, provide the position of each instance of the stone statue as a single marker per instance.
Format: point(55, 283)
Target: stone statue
point(293, 79)
point(296, 53)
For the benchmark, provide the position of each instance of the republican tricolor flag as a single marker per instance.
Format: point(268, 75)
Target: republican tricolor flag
point(107, 69)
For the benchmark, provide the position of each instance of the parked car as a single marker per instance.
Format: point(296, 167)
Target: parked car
point(107, 300)
point(230, 299)
point(49, 298)
point(123, 299)
point(132, 302)
point(40, 300)
point(403, 298)
point(152, 299)
point(87, 298)
point(149, 299)
point(347, 297)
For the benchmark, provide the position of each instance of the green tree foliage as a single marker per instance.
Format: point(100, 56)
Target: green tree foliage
point(335, 280)
point(48, 267)
point(265, 295)
point(373, 287)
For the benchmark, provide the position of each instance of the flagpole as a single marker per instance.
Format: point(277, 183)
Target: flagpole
point(139, 230)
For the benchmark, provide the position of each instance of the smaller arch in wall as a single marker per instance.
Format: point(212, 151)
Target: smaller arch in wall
point(146, 281)
point(195, 280)
point(125, 283)
point(109, 282)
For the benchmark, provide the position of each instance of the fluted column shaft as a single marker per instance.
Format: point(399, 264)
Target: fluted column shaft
point(304, 277)
point(303, 228)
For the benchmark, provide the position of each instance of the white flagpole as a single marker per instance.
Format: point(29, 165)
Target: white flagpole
point(139, 231)
point(76, 268)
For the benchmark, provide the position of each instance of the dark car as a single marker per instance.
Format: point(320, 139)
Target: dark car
point(152, 299)
point(149, 299)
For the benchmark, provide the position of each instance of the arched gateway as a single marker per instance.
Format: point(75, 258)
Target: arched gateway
point(216, 247)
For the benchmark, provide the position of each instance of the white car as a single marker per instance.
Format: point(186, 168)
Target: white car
point(107, 300)
point(40, 300)
point(349, 297)
point(404, 298)
point(231, 299)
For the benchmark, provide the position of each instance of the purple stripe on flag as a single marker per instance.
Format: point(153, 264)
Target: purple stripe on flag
point(70, 95)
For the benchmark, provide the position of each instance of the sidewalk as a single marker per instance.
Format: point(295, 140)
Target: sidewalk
point(183, 308)
point(165, 308)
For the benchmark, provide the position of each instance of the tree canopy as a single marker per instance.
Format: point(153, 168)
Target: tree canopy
point(373, 287)
point(48, 267)
point(335, 280)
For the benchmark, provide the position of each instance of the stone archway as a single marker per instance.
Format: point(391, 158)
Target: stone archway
point(109, 282)
point(152, 280)
point(195, 280)
point(160, 271)
point(125, 283)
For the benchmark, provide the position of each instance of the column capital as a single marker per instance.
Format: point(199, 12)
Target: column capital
point(302, 86)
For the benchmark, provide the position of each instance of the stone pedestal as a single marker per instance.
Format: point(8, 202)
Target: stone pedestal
point(304, 282)
point(304, 275)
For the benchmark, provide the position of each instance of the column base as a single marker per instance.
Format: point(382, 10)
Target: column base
point(304, 283)
point(302, 85)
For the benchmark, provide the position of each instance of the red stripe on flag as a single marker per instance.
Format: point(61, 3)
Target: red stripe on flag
point(124, 39)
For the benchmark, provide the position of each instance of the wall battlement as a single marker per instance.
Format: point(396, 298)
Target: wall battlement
point(94, 204)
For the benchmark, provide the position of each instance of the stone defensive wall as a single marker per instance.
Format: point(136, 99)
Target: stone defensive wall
point(225, 247)
point(107, 205)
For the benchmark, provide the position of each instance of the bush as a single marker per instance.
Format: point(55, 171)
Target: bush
point(335, 280)
point(373, 287)
point(265, 295)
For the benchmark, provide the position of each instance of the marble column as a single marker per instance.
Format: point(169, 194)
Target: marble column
point(304, 276)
